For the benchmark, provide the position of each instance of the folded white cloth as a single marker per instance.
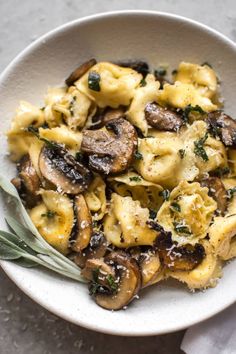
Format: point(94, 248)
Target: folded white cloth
point(214, 336)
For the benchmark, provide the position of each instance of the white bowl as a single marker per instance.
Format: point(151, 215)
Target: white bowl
point(156, 38)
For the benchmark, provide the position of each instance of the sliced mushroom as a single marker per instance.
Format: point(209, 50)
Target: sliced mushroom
point(224, 126)
point(137, 65)
point(127, 278)
point(104, 116)
point(217, 191)
point(83, 225)
point(176, 257)
point(110, 151)
point(99, 273)
point(80, 71)
point(150, 266)
point(63, 170)
point(162, 118)
point(27, 182)
point(96, 249)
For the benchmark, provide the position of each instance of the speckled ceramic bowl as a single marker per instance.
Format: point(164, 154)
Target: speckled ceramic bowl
point(156, 38)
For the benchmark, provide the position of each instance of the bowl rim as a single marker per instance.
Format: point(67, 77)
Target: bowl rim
point(10, 67)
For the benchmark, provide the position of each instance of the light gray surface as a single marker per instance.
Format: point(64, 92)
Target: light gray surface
point(24, 326)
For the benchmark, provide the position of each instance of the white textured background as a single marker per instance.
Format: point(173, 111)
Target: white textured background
point(26, 328)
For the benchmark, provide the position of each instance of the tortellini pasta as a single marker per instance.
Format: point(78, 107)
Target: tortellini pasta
point(74, 107)
point(204, 275)
point(193, 165)
point(19, 139)
point(96, 198)
point(62, 135)
point(131, 184)
point(54, 95)
point(54, 218)
point(142, 96)
point(222, 233)
point(180, 95)
point(188, 213)
point(201, 76)
point(161, 159)
point(125, 225)
point(117, 85)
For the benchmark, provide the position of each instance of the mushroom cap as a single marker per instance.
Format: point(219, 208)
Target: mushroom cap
point(61, 169)
point(217, 191)
point(176, 257)
point(27, 182)
point(223, 125)
point(83, 225)
point(96, 249)
point(112, 150)
point(80, 71)
point(162, 118)
point(129, 283)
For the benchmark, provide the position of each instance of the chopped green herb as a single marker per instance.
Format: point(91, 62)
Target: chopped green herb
point(111, 282)
point(71, 108)
point(188, 109)
point(35, 132)
point(165, 194)
point(181, 229)
point(143, 82)
point(199, 149)
point(42, 108)
point(135, 179)
point(79, 156)
point(175, 207)
point(160, 72)
point(49, 214)
point(230, 192)
point(94, 81)
point(152, 214)
point(181, 153)
point(138, 155)
point(206, 63)
point(214, 131)
point(174, 72)
point(221, 171)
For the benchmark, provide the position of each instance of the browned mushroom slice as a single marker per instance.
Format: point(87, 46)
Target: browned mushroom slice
point(128, 280)
point(224, 126)
point(80, 71)
point(110, 152)
point(27, 182)
point(100, 274)
point(217, 191)
point(83, 226)
point(162, 118)
point(61, 169)
point(137, 65)
point(150, 266)
point(176, 257)
point(96, 249)
point(104, 116)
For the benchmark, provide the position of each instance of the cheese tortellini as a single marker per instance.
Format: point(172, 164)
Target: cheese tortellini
point(188, 213)
point(131, 184)
point(161, 159)
point(117, 85)
point(54, 218)
point(143, 95)
point(125, 225)
point(205, 275)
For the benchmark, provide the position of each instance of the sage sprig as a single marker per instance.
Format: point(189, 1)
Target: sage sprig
point(25, 246)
